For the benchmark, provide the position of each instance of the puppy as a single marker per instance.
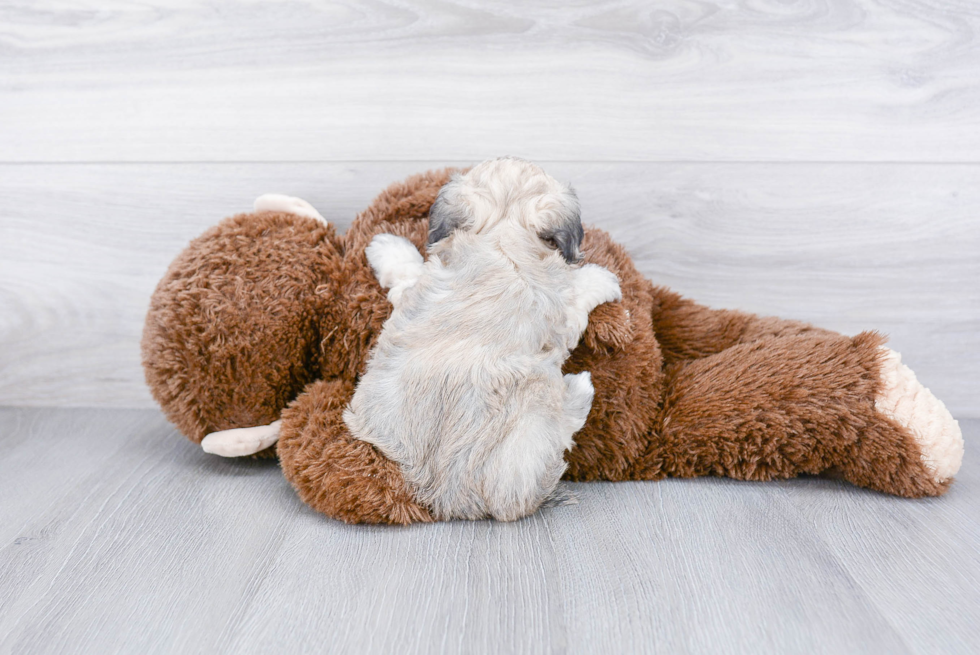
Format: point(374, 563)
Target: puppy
point(464, 388)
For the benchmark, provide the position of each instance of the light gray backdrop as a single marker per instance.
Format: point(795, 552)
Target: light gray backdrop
point(816, 159)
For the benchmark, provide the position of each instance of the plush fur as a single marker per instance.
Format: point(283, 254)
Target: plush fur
point(464, 389)
point(265, 303)
point(232, 332)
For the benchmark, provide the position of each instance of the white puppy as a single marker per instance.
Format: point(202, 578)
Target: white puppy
point(464, 388)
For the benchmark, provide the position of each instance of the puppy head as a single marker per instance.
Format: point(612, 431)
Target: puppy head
point(509, 196)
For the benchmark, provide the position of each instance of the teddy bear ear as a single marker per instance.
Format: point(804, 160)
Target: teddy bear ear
point(449, 212)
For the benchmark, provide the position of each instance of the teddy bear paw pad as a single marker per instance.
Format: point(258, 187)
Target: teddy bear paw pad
point(275, 202)
point(240, 442)
point(903, 399)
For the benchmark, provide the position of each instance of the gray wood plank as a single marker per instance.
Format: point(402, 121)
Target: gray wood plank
point(847, 246)
point(894, 552)
point(855, 80)
point(119, 536)
point(134, 551)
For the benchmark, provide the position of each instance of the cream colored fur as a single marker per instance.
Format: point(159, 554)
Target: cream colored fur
point(241, 441)
point(464, 388)
point(903, 399)
point(274, 202)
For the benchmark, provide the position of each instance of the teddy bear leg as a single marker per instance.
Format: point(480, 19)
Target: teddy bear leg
point(783, 406)
point(334, 473)
point(906, 403)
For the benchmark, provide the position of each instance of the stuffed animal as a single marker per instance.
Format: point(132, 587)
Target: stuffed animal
point(266, 321)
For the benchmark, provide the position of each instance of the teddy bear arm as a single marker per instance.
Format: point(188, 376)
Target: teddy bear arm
point(801, 404)
point(687, 330)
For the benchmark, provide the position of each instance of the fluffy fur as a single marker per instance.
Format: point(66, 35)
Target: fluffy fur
point(231, 335)
point(464, 388)
point(264, 302)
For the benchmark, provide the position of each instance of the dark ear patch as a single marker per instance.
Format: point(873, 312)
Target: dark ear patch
point(447, 213)
point(567, 236)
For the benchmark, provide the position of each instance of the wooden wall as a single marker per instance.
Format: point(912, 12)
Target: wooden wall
point(816, 159)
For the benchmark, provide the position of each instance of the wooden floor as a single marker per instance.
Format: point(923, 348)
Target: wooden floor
point(130, 539)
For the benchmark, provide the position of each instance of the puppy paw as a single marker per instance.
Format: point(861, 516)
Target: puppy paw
point(274, 202)
point(241, 441)
point(395, 260)
point(904, 400)
point(598, 285)
point(579, 393)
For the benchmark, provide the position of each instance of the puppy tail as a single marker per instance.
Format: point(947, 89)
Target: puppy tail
point(561, 495)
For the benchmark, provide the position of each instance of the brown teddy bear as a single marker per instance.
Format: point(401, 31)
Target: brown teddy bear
point(271, 316)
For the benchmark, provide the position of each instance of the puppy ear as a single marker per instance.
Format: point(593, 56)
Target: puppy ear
point(567, 232)
point(449, 212)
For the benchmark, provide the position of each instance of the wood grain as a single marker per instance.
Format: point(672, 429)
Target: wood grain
point(117, 535)
point(761, 80)
point(744, 151)
point(891, 551)
point(850, 247)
